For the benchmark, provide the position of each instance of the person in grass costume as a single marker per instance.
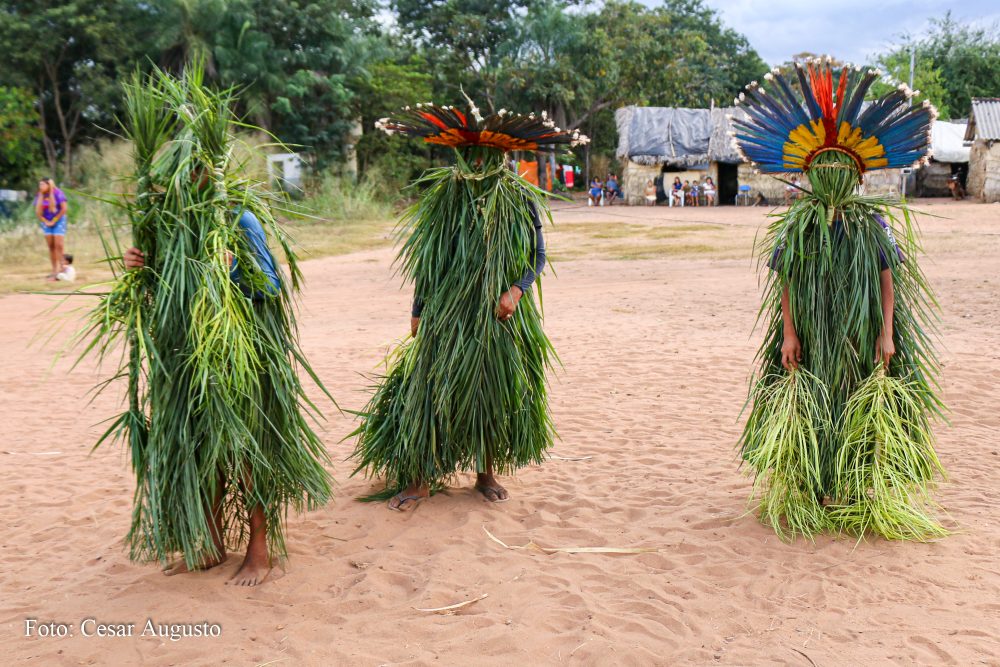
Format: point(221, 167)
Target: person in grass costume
point(838, 434)
point(468, 391)
point(215, 426)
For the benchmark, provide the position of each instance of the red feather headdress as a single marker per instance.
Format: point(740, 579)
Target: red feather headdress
point(503, 130)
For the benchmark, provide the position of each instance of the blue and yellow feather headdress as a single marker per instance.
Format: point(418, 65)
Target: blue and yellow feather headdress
point(786, 129)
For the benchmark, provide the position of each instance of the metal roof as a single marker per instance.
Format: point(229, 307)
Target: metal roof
point(984, 121)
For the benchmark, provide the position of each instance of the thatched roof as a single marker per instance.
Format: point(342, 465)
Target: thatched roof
point(722, 145)
point(676, 137)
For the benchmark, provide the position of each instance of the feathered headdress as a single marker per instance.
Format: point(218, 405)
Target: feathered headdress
point(503, 130)
point(786, 129)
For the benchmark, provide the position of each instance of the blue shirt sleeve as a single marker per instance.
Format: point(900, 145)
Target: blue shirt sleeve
point(257, 239)
point(537, 252)
point(883, 261)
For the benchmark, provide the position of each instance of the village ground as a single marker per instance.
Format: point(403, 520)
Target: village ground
point(652, 311)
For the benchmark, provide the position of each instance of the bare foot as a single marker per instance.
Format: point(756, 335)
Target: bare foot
point(409, 498)
point(487, 485)
point(254, 571)
point(180, 567)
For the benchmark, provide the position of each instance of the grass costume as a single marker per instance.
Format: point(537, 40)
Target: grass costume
point(216, 417)
point(468, 391)
point(841, 440)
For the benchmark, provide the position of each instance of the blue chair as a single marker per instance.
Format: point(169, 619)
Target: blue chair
point(743, 195)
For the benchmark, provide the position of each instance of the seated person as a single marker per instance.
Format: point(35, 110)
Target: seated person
point(692, 196)
point(68, 273)
point(708, 189)
point(650, 193)
point(792, 191)
point(677, 191)
point(596, 193)
point(611, 189)
point(955, 187)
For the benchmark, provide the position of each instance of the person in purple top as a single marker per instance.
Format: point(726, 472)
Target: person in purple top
point(50, 209)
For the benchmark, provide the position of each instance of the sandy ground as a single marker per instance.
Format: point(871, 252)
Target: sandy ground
point(652, 312)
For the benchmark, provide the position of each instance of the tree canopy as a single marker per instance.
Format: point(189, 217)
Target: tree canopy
point(955, 62)
point(310, 70)
point(20, 137)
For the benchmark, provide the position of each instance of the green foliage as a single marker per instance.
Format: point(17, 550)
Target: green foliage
point(464, 39)
point(955, 62)
point(826, 251)
point(192, 30)
point(928, 79)
point(307, 71)
point(886, 465)
point(313, 65)
point(580, 64)
point(338, 198)
point(72, 55)
point(299, 65)
point(395, 80)
point(469, 387)
point(781, 444)
point(214, 400)
point(20, 138)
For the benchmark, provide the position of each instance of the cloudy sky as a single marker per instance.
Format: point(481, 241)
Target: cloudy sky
point(851, 30)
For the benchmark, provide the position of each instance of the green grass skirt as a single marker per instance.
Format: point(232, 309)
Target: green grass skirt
point(811, 437)
point(469, 388)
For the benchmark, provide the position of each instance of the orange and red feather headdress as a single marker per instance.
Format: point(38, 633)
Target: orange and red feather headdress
point(503, 130)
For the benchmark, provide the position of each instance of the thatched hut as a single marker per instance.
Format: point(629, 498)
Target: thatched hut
point(984, 158)
point(949, 159)
point(661, 143)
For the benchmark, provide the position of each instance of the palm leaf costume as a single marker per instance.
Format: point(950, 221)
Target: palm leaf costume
point(214, 399)
point(841, 443)
point(468, 388)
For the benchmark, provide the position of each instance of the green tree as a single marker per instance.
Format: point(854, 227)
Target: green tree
point(395, 81)
point(185, 31)
point(927, 79)
point(955, 62)
point(464, 39)
point(316, 54)
point(581, 66)
point(20, 137)
point(71, 54)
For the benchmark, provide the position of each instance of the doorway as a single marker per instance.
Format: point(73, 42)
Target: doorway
point(729, 183)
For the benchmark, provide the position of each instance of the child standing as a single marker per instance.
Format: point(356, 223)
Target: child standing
point(50, 209)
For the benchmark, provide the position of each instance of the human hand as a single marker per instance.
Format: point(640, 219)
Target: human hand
point(134, 258)
point(414, 325)
point(508, 303)
point(791, 351)
point(885, 348)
